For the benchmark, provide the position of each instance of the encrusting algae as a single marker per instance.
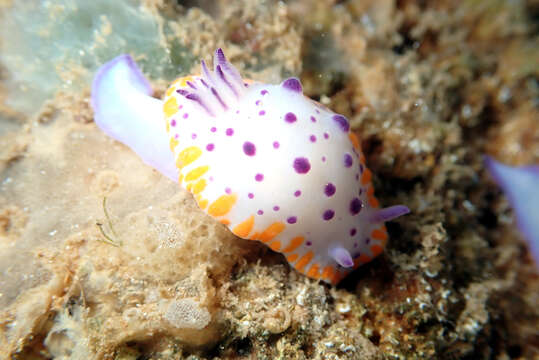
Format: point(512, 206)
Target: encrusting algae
point(427, 88)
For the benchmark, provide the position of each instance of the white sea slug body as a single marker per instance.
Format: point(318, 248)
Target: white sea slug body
point(274, 166)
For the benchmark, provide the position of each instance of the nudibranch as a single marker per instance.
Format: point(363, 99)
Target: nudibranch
point(265, 160)
point(521, 186)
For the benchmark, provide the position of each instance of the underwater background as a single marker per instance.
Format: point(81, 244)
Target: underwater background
point(429, 88)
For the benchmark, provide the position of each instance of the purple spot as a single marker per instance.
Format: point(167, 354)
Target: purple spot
point(302, 165)
point(228, 190)
point(323, 158)
point(290, 118)
point(249, 148)
point(211, 178)
point(276, 208)
point(263, 92)
point(210, 147)
point(292, 220)
point(292, 84)
point(185, 116)
point(260, 212)
point(261, 113)
point(308, 243)
point(342, 122)
point(229, 132)
point(329, 189)
point(213, 129)
point(259, 177)
point(313, 119)
point(176, 136)
point(353, 232)
point(276, 144)
point(317, 111)
point(180, 107)
point(193, 136)
point(328, 215)
point(361, 168)
point(326, 135)
point(367, 241)
point(297, 193)
point(360, 191)
point(173, 122)
point(355, 206)
point(250, 195)
point(356, 245)
point(357, 177)
point(312, 138)
point(348, 160)
point(257, 102)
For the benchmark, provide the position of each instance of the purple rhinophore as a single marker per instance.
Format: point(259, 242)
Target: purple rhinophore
point(328, 214)
point(387, 214)
point(343, 123)
point(292, 220)
point(249, 148)
point(348, 161)
point(216, 94)
point(342, 257)
point(329, 189)
point(302, 165)
point(292, 84)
